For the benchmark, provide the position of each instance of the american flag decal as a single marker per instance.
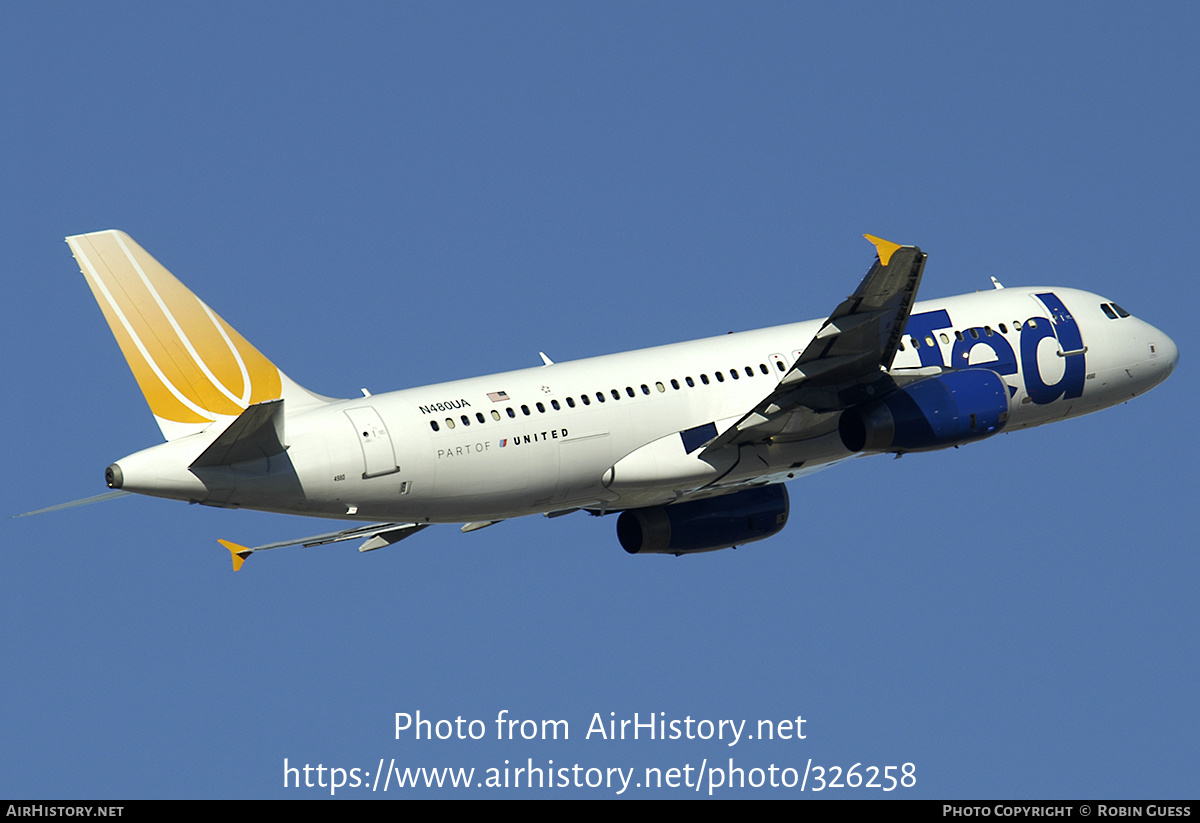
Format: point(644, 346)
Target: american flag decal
point(497, 396)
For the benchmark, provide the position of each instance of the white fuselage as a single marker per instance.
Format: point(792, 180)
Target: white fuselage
point(548, 438)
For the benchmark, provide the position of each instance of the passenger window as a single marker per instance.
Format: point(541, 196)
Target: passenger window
point(779, 364)
point(571, 402)
point(449, 422)
point(901, 345)
point(554, 405)
point(989, 331)
point(734, 374)
point(599, 397)
point(525, 410)
point(1003, 329)
point(616, 394)
point(929, 341)
point(763, 368)
point(720, 377)
point(1032, 323)
point(466, 420)
point(495, 414)
point(541, 409)
point(587, 401)
point(511, 413)
point(704, 379)
point(916, 343)
point(974, 334)
point(958, 335)
point(479, 416)
point(433, 424)
point(629, 391)
point(660, 386)
point(691, 383)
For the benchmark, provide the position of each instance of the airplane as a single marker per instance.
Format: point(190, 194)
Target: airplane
point(691, 443)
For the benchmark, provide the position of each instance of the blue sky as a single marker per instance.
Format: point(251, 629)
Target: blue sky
point(390, 195)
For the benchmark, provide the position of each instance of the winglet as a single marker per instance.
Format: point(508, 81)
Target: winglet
point(883, 247)
point(240, 553)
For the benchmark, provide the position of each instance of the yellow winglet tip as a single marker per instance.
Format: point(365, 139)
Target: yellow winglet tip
point(885, 248)
point(240, 553)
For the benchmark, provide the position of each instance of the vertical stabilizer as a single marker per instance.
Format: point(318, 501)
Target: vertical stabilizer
point(193, 368)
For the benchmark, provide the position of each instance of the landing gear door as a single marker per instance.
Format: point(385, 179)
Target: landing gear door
point(379, 457)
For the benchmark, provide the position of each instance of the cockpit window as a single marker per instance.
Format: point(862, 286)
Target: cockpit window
point(1120, 310)
point(1112, 315)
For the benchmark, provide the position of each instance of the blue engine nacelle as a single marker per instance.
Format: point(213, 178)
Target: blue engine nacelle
point(705, 525)
point(945, 410)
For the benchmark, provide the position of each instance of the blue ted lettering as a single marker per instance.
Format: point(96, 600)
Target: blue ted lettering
point(1069, 339)
point(1061, 325)
point(924, 325)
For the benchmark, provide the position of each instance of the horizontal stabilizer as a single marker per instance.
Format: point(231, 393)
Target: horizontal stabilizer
point(254, 434)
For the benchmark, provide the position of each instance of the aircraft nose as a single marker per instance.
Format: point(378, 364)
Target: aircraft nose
point(1164, 354)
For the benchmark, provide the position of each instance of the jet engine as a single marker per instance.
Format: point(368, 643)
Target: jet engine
point(945, 410)
point(705, 525)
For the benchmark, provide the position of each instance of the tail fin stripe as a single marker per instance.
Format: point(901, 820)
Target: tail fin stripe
point(244, 400)
point(183, 338)
point(204, 414)
point(193, 368)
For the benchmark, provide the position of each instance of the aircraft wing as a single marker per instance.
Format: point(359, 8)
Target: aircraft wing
point(848, 359)
point(376, 536)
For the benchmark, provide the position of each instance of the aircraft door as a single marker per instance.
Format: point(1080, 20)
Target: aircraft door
point(379, 458)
